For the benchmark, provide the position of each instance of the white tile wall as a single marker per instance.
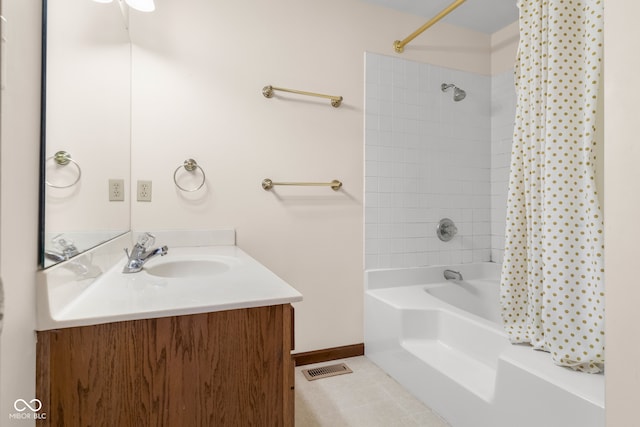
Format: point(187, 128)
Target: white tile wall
point(503, 108)
point(426, 158)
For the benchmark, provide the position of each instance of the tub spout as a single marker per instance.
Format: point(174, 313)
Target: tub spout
point(452, 275)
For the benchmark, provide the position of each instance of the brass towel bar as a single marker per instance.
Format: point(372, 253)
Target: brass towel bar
point(399, 45)
point(267, 91)
point(335, 185)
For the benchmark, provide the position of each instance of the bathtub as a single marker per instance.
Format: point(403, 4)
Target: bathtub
point(443, 341)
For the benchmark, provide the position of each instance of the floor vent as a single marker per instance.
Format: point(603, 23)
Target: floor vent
point(326, 371)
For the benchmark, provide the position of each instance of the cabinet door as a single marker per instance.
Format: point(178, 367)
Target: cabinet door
point(226, 368)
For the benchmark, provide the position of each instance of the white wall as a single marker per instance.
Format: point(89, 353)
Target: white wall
point(19, 153)
point(504, 44)
point(199, 68)
point(622, 210)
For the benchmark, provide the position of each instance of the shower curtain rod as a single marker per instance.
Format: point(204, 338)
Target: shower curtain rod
point(399, 45)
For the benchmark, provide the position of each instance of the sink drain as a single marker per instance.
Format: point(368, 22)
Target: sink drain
point(326, 371)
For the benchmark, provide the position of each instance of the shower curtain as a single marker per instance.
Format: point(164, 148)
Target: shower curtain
point(552, 284)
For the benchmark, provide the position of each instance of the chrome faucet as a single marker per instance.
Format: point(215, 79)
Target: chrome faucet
point(452, 275)
point(66, 249)
point(141, 253)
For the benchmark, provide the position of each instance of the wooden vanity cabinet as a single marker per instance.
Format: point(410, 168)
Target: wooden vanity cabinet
point(227, 368)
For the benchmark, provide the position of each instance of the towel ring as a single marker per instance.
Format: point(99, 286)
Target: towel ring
point(62, 158)
point(190, 165)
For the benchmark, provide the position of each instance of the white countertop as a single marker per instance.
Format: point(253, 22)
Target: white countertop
point(115, 296)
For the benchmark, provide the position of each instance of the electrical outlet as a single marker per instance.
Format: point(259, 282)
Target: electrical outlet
point(116, 190)
point(144, 191)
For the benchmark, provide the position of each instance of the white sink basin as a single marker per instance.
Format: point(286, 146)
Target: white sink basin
point(189, 268)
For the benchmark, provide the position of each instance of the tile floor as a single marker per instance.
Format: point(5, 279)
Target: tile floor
point(368, 397)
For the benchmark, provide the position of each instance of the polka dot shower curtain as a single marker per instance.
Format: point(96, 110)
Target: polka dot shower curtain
point(552, 286)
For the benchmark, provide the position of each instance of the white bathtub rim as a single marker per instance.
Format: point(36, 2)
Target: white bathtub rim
point(590, 387)
point(397, 277)
point(412, 300)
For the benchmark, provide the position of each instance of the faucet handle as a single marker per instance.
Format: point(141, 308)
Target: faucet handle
point(446, 229)
point(146, 240)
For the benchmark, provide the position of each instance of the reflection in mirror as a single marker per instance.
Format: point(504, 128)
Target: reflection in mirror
point(86, 110)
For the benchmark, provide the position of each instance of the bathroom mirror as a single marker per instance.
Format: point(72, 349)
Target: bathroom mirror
point(86, 128)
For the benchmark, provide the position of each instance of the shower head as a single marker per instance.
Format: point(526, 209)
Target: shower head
point(458, 94)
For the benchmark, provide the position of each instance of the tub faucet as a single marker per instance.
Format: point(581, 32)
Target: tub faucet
point(452, 275)
point(141, 253)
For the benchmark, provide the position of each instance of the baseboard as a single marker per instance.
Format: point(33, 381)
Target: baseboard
point(327, 354)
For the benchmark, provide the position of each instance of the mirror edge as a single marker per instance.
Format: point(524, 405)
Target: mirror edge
point(43, 119)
